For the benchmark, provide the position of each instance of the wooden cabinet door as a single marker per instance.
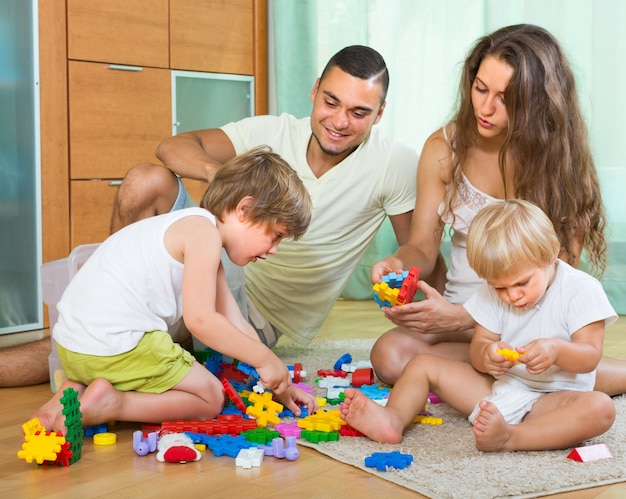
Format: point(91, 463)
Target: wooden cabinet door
point(134, 32)
point(117, 117)
point(91, 206)
point(212, 35)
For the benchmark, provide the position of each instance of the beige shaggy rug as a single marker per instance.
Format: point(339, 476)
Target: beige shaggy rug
point(446, 463)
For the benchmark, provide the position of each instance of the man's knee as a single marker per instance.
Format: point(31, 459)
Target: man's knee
point(146, 190)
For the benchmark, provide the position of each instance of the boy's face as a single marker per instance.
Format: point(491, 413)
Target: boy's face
point(524, 287)
point(255, 241)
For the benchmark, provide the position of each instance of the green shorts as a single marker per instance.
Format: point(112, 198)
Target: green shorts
point(155, 365)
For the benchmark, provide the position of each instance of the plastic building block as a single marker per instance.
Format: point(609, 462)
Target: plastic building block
point(247, 458)
point(297, 373)
point(375, 392)
point(231, 373)
point(90, 431)
point(322, 420)
point(265, 410)
point(73, 422)
point(362, 377)
point(319, 436)
point(40, 447)
point(289, 429)
point(425, 419)
point(508, 354)
point(331, 381)
point(353, 366)
point(144, 445)
point(383, 460)
point(282, 450)
point(589, 453)
point(389, 293)
point(347, 431)
point(233, 395)
point(33, 426)
point(336, 373)
point(227, 445)
point(104, 439)
point(304, 387)
point(433, 399)
point(409, 286)
point(395, 280)
point(384, 295)
point(346, 358)
point(260, 435)
point(232, 424)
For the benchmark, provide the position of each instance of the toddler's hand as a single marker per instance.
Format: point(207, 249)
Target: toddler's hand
point(292, 395)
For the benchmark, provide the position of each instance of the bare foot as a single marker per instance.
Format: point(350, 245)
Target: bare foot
point(491, 431)
point(365, 415)
point(50, 414)
point(100, 403)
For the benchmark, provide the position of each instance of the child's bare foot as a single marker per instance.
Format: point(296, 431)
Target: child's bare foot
point(491, 431)
point(49, 414)
point(365, 415)
point(100, 403)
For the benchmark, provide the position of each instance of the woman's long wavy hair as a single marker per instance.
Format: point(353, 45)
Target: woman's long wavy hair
point(546, 137)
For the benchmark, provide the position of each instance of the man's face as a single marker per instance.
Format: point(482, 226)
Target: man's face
point(344, 110)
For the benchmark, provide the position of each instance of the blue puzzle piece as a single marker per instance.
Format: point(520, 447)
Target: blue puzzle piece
point(383, 460)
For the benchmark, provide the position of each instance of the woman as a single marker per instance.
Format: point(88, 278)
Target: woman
point(518, 132)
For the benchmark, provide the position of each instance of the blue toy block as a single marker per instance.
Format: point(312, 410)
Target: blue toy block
point(346, 358)
point(383, 460)
point(227, 445)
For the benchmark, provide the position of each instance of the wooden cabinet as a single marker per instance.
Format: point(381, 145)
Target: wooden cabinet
point(132, 32)
point(110, 102)
point(212, 35)
point(118, 115)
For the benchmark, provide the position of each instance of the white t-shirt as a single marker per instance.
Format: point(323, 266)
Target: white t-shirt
point(296, 288)
point(130, 285)
point(573, 300)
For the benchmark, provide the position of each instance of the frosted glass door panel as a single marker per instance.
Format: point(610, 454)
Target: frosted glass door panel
point(20, 222)
point(210, 100)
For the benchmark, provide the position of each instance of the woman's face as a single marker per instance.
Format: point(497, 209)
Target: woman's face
point(488, 88)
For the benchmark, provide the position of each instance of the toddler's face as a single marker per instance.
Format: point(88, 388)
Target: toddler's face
point(524, 287)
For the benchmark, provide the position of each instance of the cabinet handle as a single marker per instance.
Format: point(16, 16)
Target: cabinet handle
point(115, 183)
point(120, 67)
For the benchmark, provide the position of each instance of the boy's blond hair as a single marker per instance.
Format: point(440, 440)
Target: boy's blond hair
point(506, 236)
point(278, 193)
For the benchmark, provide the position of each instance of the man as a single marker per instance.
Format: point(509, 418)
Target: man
point(355, 176)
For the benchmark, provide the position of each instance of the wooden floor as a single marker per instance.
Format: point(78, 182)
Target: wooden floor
point(117, 472)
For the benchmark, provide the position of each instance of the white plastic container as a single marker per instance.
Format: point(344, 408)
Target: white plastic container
point(55, 276)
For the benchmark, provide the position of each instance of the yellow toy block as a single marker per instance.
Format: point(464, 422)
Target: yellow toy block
point(264, 408)
point(421, 419)
point(325, 421)
point(508, 354)
point(33, 426)
point(41, 447)
point(385, 293)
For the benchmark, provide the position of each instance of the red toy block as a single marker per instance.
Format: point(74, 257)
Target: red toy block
point(409, 286)
point(233, 395)
point(363, 376)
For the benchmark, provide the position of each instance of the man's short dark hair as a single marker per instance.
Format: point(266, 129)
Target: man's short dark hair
point(361, 62)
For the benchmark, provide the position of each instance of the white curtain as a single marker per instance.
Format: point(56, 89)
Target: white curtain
point(424, 43)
